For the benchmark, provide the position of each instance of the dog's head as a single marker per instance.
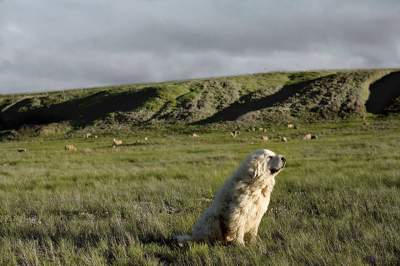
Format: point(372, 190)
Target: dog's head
point(264, 163)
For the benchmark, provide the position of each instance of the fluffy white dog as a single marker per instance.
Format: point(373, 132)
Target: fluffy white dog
point(237, 209)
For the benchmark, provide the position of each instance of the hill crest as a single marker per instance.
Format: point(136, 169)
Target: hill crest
point(256, 98)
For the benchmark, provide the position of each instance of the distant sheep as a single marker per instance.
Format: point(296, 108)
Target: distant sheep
point(283, 139)
point(291, 126)
point(194, 135)
point(70, 147)
point(22, 150)
point(117, 142)
point(310, 136)
point(234, 133)
point(265, 138)
point(90, 135)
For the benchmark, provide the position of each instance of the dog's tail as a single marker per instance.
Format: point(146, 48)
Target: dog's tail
point(183, 239)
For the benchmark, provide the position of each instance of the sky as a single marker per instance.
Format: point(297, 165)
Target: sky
point(60, 44)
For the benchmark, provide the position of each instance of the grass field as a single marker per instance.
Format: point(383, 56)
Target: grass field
point(337, 202)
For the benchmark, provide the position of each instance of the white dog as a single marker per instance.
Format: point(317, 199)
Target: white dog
point(236, 212)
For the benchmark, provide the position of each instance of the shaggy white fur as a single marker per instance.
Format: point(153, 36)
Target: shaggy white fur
point(237, 209)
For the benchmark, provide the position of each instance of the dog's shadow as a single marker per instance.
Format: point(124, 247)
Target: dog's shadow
point(173, 243)
point(159, 239)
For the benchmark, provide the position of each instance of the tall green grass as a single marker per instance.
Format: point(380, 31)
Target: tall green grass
point(337, 202)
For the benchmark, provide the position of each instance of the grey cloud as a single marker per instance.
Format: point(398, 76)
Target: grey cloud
point(71, 43)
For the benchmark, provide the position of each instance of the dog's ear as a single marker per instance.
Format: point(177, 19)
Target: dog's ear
point(257, 167)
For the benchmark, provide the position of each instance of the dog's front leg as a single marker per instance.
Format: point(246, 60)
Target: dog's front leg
point(239, 240)
point(251, 236)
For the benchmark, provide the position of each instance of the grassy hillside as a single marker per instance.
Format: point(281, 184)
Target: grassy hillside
point(269, 97)
point(337, 202)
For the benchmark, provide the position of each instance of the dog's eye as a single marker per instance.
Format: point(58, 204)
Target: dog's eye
point(270, 157)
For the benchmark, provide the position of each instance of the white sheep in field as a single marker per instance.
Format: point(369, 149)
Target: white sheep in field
point(90, 136)
point(310, 136)
point(70, 147)
point(234, 133)
point(117, 142)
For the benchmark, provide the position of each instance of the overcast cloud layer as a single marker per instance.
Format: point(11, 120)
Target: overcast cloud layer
point(58, 44)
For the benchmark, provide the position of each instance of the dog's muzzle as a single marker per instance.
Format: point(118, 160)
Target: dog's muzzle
point(282, 162)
